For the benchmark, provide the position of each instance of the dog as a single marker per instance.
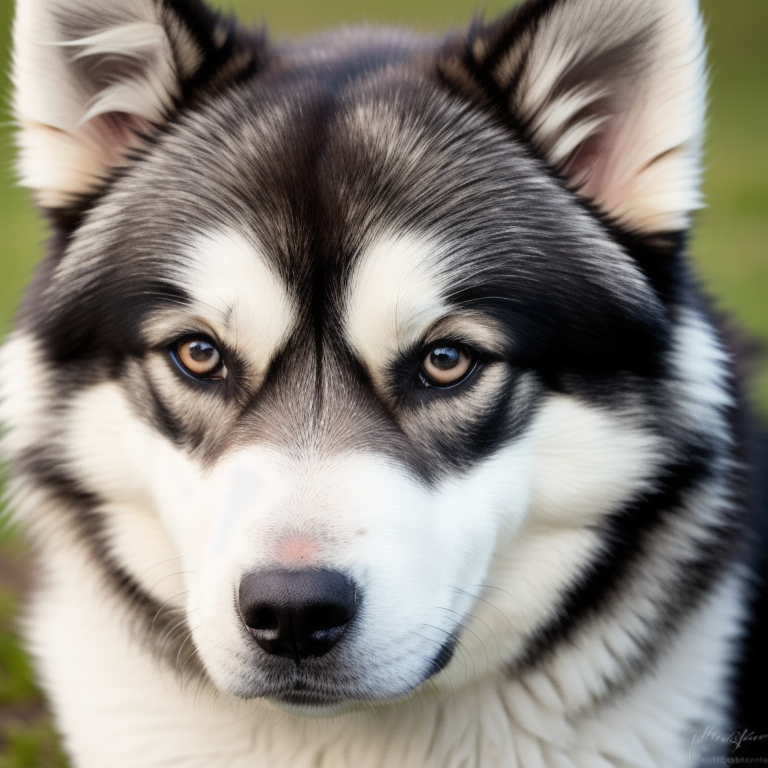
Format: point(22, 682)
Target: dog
point(364, 411)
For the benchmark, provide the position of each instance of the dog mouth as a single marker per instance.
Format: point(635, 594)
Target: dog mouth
point(300, 692)
point(308, 699)
point(326, 686)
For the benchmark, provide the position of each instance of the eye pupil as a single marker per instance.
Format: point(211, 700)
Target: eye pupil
point(445, 358)
point(201, 351)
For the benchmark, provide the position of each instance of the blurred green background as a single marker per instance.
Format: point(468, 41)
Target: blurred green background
point(730, 246)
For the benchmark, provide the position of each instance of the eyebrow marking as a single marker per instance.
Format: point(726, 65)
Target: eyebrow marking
point(396, 292)
point(238, 293)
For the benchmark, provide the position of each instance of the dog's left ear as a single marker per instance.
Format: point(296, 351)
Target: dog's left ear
point(610, 92)
point(93, 78)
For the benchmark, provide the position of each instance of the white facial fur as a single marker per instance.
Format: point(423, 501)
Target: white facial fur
point(491, 549)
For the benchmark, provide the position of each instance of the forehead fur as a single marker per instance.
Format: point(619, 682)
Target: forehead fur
point(319, 169)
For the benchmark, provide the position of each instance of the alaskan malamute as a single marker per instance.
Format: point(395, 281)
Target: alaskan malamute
point(364, 413)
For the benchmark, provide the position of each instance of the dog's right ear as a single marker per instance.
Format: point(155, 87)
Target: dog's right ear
point(93, 78)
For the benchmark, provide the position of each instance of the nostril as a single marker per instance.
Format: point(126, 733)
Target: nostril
point(297, 614)
point(329, 617)
point(263, 618)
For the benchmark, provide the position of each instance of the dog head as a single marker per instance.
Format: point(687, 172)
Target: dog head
point(344, 351)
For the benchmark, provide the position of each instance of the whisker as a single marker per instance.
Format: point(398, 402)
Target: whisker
point(163, 607)
point(465, 628)
point(510, 595)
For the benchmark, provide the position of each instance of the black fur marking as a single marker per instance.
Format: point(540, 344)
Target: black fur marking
point(118, 300)
point(626, 535)
point(163, 419)
point(506, 33)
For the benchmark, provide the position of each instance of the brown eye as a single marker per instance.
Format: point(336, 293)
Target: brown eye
point(199, 358)
point(445, 365)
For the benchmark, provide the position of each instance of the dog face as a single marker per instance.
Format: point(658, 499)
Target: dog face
point(354, 353)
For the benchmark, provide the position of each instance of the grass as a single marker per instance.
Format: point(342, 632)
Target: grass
point(730, 249)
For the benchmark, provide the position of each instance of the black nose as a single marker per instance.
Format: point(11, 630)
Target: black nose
point(297, 613)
